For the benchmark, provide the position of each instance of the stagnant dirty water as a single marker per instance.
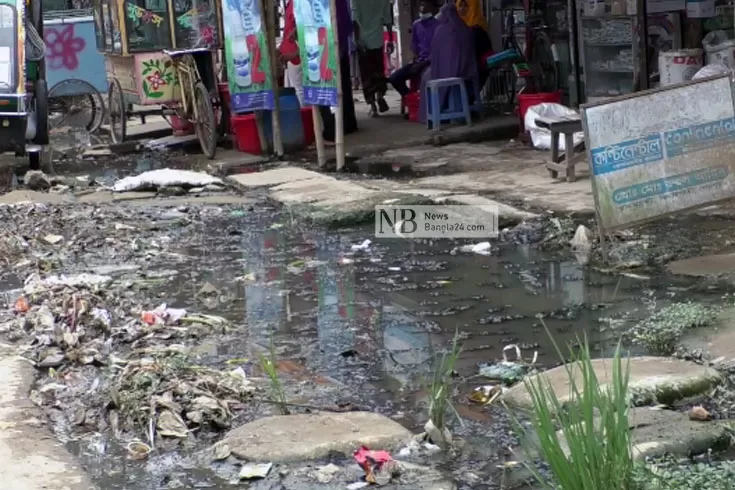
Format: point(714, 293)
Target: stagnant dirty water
point(355, 327)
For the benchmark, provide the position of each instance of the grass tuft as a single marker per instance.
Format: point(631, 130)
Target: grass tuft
point(585, 441)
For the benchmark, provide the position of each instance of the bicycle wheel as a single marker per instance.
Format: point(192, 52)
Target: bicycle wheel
point(118, 111)
point(542, 56)
point(205, 123)
point(76, 103)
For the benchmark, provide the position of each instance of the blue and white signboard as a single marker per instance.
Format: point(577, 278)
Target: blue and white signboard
point(661, 151)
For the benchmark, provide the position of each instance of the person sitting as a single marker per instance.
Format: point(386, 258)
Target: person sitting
point(452, 54)
point(471, 13)
point(421, 37)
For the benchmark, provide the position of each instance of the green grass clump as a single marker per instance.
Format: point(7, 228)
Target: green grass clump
point(594, 452)
point(276, 391)
point(661, 332)
point(442, 385)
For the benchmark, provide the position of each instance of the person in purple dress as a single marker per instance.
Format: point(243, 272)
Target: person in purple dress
point(452, 54)
point(421, 36)
point(344, 33)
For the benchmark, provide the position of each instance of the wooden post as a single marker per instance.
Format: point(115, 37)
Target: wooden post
point(259, 123)
point(269, 10)
point(339, 142)
point(317, 121)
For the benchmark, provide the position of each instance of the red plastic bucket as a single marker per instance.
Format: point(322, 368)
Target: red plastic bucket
point(529, 100)
point(308, 122)
point(413, 105)
point(224, 97)
point(246, 134)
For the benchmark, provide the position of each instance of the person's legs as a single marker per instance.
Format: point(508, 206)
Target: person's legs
point(296, 80)
point(366, 77)
point(348, 103)
point(400, 78)
point(381, 83)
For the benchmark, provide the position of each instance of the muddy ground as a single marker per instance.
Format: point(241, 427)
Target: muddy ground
point(347, 327)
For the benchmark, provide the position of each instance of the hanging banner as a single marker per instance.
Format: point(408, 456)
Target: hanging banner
point(318, 48)
point(248, 63)
point(646, 163)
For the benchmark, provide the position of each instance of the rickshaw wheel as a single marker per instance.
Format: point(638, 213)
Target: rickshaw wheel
point(117, 111)
point(206, 125)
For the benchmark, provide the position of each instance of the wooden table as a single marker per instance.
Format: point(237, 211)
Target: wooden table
point(564, 161)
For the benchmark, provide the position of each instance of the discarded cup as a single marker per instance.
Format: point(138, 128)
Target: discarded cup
point(138, 450)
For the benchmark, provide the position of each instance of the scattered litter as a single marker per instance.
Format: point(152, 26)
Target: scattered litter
point(21, 305)
point(441, 438)
point(34, 282)
point(362, 247)
point(346, 260)
point(53, 239)
point(482, 248)
point(221, 452)
point(252, 471)
point(371, 462)
point(357, 485)
point(325, 474)
point(165, 177)
point(138, 450)
point(171, 424)
point(163, 315)
point(508, 372)
point(700, 414)
point(541, 137)
point(485, 395)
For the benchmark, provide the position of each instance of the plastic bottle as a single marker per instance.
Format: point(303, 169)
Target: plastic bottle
point(313, 53)
point(240, 53)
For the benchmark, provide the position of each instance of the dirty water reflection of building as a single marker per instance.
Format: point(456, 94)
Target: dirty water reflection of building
point(264, 301)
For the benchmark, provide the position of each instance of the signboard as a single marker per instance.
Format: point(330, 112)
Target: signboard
point(318, 48)
point(248, 63)
point(647, 162)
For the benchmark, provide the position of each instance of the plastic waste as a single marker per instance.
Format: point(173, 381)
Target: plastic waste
point(712, 70)
point(541, 137)
point(371, 462)
point(508, 372)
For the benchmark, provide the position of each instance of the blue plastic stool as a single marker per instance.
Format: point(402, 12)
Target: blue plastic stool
point(459, 105)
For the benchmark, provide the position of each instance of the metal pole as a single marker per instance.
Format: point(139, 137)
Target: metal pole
point(339, 142)
point(269, 9)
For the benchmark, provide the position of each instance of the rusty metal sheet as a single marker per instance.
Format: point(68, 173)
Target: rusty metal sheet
point(661, 151)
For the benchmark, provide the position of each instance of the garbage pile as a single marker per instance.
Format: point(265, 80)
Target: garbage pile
point(112, 365)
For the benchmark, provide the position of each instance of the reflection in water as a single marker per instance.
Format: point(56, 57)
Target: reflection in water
point(264, 302)
point(336, 302)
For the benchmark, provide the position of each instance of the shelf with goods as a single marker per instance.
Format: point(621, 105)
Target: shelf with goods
point(610, 55)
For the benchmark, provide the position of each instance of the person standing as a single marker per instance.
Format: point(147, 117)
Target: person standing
point(421, 36)
point(289, 52)
point(370, 17)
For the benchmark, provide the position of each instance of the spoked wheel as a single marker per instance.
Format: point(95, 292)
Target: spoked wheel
point(77, 104)
point(117, 111)
point(543, 57)
point(206, 124)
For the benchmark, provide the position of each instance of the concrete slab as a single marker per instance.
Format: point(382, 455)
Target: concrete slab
point(171, 141)
point(306, 437)
point(505, 212)
point(505, 170)
point(234, 162)
point(275, 177)
point(30, 456)
point(707, 265)
point(652, 380)
point(655, 433)
point(25, 196)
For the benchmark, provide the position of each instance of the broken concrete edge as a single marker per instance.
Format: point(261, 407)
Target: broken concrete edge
point(644, 393)
point(716, 438)
point(668, 392)
point(353, 213)
point(228, 167)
